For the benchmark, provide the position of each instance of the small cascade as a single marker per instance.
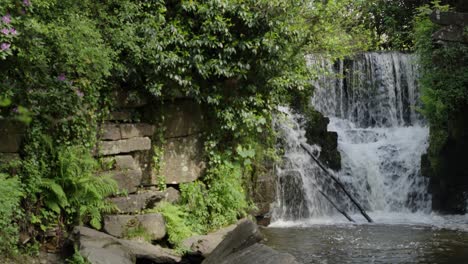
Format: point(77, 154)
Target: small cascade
point(371, 101)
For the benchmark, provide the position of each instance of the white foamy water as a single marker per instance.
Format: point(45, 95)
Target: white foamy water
point(371, 102)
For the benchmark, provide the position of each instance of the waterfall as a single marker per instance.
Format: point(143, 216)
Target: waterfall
point(371, 101)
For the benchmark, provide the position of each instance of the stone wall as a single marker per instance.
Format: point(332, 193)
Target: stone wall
point(11, 136)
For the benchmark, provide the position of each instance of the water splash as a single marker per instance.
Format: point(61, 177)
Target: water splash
point(371, 101)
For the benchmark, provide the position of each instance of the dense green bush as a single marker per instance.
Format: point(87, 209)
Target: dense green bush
point(11, 193)
point(443, 80)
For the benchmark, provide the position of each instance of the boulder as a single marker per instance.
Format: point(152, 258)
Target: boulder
point(124, 146)
point(241, 246)
point(138, 202)
point(120, 225)
point(182, 159)
point(100, 248)
point(172, 195)
point(205, 244)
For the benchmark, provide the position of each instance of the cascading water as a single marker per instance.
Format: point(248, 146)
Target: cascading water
point(371, 101)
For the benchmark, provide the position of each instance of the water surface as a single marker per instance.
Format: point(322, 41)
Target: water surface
point(374, 243)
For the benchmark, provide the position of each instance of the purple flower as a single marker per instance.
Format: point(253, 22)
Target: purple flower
point(62, 77)
point(5, 31)
point(79, 93)
point(5, 46)
point(6, 19)
point(15, 110)
point(13, 32)
point(26, 2)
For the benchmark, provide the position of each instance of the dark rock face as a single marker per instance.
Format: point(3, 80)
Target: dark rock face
point(316, 133)
point(446, 161)
point(448, 171)
point(241, 247)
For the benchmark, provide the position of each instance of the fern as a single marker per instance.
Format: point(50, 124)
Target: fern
point(72, 187)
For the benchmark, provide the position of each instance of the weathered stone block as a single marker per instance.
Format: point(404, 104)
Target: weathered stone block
point(182, 118)
point(121, 162)
point(127, 180)
point(138, 202)
point(449, 18)
point(136, 130)
point(120, 225)
point(124, 146)
point(124, 131)
point(110, 132)
point(182, 159)
point(205, 244)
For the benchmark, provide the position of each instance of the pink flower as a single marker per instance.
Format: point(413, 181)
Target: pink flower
point(5, 31)
point(62, 77)
point(26, 2)
point(13, 32)
point(5, 46)
point(79, 93)
point(6, 19)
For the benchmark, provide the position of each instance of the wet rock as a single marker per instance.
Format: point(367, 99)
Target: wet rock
point(241, 246)
point(120, 225)
point(123, 146)
point(205, 244)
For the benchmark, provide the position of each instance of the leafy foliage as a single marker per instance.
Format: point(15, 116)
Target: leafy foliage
point(11, 193)
point(444, 78)
point(176, 223)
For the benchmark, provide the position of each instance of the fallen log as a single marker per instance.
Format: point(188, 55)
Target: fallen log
point(363, 212)
point(336, 206)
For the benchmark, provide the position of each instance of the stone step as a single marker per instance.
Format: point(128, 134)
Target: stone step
point(106, 148)
point(121, 225)
point(111, 131)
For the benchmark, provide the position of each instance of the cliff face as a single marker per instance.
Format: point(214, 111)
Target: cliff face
point(446, 162)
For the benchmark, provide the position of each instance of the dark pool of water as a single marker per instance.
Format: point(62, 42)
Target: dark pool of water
point(370, 244)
